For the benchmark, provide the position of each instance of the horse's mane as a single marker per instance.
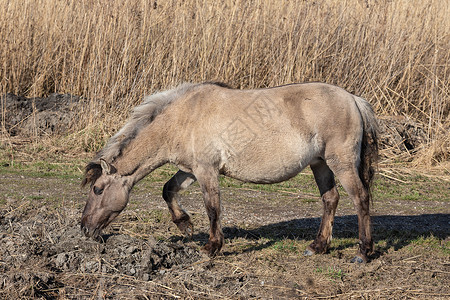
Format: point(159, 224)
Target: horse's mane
point(141, 116)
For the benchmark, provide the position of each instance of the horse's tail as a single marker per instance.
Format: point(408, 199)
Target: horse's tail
point(369, 143)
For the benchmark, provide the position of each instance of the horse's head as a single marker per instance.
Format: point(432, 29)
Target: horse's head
point(108, 196)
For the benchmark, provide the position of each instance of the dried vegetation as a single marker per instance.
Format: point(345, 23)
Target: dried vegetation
point(393, 53)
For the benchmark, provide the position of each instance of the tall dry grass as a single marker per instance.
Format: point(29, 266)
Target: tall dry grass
point(395, 53)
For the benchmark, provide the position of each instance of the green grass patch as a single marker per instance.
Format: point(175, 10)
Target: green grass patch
point(342, 243)
point(333, 273)
point(415, 188)
point(432, 243)
point(284, 246)
point(67, 170)
point(302, 183)
point(36, 197)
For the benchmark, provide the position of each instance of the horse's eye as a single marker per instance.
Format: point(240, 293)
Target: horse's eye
point(98, 191)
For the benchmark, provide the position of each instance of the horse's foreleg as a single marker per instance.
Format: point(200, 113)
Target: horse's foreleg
point(325, 181)
point(358, 193)
point(209, 183)
point(180, 181)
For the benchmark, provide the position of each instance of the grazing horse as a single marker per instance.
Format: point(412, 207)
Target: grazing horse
point(258, 136)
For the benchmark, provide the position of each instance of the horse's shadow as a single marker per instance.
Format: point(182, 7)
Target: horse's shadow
point(395, 231)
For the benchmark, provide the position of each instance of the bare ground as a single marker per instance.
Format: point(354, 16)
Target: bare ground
point(44, 255)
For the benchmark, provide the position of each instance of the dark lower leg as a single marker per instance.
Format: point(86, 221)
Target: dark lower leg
point(216, 238)
point(327, 186)
point(364, 225)
point(330, 201)
point(180, 217)
point(211, 195)
point(358, 193)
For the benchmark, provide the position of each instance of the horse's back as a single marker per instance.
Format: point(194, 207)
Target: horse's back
point(267, 135)
point(302, 110)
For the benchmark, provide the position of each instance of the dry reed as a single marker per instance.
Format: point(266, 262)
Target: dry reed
point(393, 53)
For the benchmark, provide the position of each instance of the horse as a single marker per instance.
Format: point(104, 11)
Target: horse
point(263, 136)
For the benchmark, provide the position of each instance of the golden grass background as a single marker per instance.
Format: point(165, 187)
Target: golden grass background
point(394, 53)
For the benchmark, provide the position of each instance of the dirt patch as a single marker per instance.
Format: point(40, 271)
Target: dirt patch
point(44, 255)
point(40, 116)
point(41, 255)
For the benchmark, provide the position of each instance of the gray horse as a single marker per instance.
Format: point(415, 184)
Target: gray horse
point(259, 136)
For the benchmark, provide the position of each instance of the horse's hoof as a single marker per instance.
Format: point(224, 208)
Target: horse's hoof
point(188, 230)
point(186, 227)
point(212, 248)
point(208, 251)
point(357, 260)
point(308, 252)
point(205, 251)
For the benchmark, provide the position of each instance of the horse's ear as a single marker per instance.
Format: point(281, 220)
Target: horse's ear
point(107, 168)
point(92, 172)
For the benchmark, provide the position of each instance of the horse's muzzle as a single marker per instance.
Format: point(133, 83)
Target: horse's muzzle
point(90, 231)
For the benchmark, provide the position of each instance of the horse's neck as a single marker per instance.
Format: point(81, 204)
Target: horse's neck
point(142, 155)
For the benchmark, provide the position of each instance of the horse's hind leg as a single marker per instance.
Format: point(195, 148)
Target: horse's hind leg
point(180, 181)
point(352, 183)
point(327, 186)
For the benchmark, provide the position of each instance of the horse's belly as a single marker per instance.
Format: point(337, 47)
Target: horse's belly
point(270, 162)
point(263, 175)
